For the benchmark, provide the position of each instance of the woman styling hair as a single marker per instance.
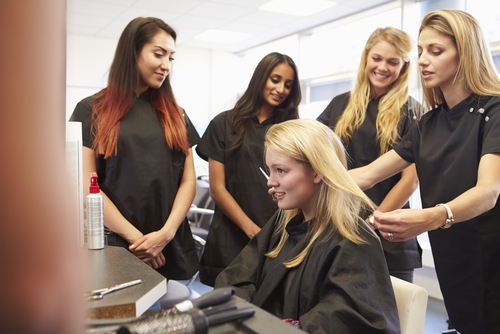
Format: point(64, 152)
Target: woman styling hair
point(316, 261)
point(138, 140)
point(233, 144)
point(371, 119)
point(456, 150)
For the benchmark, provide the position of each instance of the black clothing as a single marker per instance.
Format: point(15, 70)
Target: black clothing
point(339, 287)
point(446, 147)
point(244, 181)
point(143, 178)
point(364, 148)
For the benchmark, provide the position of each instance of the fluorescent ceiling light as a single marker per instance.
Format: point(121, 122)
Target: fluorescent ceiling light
point(222, 36)
point(297, 7)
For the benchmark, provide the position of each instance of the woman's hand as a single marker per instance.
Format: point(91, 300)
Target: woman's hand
point(157, 262)
point(405, 224)
point(252, 230)
point(150, 246)
point(226, 202)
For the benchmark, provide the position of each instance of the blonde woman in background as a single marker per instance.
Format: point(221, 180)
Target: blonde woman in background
point(371, 119)
point(315, 263)
point(456, 150)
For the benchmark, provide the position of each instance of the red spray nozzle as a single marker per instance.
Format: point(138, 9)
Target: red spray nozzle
point(94, 186)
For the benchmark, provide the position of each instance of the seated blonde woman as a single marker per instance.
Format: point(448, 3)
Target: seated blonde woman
point(315, 261)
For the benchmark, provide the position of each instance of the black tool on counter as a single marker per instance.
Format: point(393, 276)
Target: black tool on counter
point(219, 308)
point(194, 321)
point(187, 317)
point(214, 297)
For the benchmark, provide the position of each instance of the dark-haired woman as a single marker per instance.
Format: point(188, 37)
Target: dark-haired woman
point(233, 146)
point(139, 141)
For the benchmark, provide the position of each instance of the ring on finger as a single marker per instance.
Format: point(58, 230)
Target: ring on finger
point(391, 236)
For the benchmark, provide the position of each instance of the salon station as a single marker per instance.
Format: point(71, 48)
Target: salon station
point(253, 166)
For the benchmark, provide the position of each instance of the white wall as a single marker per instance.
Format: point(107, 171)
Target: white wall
point(87, 64)
point(205, 82)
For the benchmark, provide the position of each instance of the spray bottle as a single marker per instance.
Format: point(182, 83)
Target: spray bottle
point(95, 215)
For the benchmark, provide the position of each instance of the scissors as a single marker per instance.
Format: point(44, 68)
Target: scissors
point(97, 294)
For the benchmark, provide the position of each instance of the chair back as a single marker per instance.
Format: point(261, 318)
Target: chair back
point(411, 301)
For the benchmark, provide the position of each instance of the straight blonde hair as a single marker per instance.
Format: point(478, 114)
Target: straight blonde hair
point(390, 105)
point(339, 200)
point(475, 70)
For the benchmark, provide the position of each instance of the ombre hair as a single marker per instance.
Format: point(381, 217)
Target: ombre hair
point(475, 70)
point(249, 105)
point(391, 104)
point(339, 200)
point(113, 102)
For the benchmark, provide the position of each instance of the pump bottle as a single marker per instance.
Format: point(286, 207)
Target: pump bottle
point(95, 215)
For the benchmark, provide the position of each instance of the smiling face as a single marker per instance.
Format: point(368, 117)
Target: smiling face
point(154, 61)
point(438, 59)
point(296, 185)
point(383, 65)
point(278, 85)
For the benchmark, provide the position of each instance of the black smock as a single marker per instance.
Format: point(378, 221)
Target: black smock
point(143, 178)
point(339, 287)
point(244, 181)
point(446, 147)
point(364, 148)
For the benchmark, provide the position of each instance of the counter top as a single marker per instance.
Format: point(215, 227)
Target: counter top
point(115, 265)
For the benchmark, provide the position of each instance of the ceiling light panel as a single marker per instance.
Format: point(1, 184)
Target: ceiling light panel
point(222, 36)
point(297, 7)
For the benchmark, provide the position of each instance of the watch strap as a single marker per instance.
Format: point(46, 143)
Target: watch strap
point(450, 220)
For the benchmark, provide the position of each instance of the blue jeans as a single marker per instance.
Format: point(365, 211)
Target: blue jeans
point(155, 306)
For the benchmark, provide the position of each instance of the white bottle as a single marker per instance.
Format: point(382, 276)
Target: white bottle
point(95, 215)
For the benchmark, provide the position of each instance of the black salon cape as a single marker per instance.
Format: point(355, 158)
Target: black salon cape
point(339, 287)
point(364, 148)
point(143, 179)
point(446, 148)
point(244, 181)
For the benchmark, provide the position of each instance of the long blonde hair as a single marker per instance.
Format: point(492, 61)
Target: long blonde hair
point(475, 70)
point(390, 104)
point(339, 200)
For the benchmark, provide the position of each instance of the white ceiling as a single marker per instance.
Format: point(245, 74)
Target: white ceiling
point(108, 18)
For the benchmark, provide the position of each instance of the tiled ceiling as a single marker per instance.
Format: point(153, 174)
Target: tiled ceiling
point(108, 18)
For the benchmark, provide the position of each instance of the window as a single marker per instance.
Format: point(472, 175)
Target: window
point(328, 91)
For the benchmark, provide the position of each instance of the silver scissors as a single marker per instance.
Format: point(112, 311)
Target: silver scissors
point(97, 294)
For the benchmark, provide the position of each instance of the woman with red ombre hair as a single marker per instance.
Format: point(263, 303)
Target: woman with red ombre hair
point(139, 141)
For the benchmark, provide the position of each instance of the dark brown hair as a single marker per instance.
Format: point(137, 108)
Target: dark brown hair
point(113, 102)
point(249, 105)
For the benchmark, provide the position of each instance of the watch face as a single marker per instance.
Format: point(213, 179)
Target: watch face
point(448, 224)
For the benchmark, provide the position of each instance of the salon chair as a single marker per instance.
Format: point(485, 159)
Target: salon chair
point(201, 213)
point(177, 291)
point(411, 301)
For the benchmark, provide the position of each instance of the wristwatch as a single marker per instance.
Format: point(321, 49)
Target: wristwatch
point(450, 220)
point(371, 220)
